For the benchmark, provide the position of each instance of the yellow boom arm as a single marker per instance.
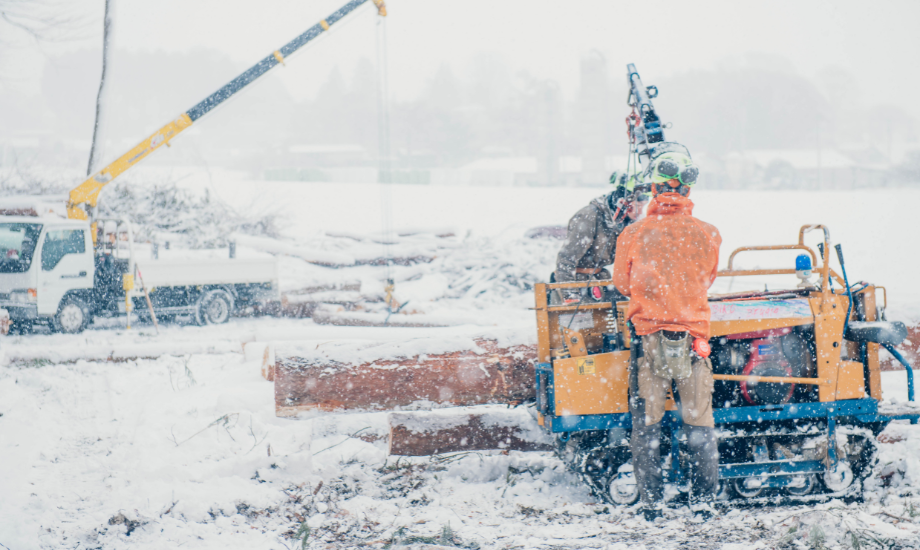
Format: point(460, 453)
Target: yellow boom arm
point(87, 193)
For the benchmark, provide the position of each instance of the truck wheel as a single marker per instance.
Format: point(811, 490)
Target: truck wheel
point(214, 308)
point(72, 317)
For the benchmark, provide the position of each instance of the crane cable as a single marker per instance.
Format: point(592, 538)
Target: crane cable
point(384, 173)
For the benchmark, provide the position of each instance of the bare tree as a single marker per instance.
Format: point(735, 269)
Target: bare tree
point(44, 20)
point(95, 151)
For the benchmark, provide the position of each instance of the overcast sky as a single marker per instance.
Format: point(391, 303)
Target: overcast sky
point(875, 41)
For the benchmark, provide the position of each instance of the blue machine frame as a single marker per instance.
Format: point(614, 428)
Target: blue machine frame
point(775, 473)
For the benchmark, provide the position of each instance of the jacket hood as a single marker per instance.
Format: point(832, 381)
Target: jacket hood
point(603, 206)
point(670, 203)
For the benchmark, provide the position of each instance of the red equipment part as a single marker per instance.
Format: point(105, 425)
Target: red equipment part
point(701, 347)
point(767, 359)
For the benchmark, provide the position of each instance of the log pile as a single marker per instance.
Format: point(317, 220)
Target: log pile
point(481, 373)
point(431, 433)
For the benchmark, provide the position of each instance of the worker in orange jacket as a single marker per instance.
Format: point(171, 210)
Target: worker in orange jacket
point(666, 263)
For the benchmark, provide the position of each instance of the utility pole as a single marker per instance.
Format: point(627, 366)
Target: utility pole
point(96, 149)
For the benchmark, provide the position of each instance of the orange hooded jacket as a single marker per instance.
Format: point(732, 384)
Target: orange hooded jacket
point(666, 263)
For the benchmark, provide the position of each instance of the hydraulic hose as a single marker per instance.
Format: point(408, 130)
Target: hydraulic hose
point(846, 321)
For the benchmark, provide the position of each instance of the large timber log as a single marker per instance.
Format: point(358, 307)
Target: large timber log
point(431, 433)
point(421, 373)
point(327, 314)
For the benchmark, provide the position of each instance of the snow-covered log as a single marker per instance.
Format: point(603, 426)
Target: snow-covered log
point(329, 314)
point(319, 257)
point(437, 432)
point(420, 373)
point(366, 255)
point(117, 352)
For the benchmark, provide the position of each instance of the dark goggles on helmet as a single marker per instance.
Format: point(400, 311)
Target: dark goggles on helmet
point(686, 175)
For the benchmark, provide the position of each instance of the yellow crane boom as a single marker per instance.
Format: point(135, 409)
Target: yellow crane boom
point(84, 197)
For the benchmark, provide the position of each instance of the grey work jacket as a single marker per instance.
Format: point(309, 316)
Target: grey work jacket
point(591, 241)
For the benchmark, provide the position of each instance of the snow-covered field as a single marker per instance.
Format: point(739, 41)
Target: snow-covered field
point(183, 449)
point(874, 226)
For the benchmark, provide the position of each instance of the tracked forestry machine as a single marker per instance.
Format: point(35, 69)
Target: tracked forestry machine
point(798, 389)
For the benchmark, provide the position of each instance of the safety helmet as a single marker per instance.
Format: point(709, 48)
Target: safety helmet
point(667, 147)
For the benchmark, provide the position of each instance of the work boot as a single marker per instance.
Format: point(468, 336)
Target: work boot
point(645, 443)
point(703, 511)
point(650, 513)
point(703, 447)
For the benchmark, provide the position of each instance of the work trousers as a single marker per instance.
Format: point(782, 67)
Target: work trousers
point(648, 395)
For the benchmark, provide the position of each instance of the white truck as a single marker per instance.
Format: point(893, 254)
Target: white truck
point(65, 272)
point(51, 273)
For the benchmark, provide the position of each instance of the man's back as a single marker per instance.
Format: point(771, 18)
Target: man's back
point(666, 264)
point(590, 241)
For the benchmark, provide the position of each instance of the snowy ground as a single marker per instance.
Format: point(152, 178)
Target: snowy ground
point(183, 449)
point(186, 451)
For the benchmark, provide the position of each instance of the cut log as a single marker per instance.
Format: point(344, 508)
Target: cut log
point(431, 433)
point(306, 305)
point(910, 348)
point(351, 378)
point(396, 260)
point(346, 285)
point(313, 256)
point(325, 315)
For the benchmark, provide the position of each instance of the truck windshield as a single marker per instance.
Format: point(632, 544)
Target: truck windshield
point(17, 243)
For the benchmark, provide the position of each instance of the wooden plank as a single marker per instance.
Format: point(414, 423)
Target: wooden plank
point(425, 434)
point(499, 375)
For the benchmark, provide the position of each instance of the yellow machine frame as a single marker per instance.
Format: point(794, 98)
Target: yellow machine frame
point(601, 387)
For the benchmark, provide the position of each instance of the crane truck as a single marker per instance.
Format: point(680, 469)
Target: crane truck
point(65, 272)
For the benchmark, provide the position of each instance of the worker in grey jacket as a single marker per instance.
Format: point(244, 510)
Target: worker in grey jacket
point(590, 244)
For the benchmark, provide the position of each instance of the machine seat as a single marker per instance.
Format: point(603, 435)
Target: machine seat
point(886, 333)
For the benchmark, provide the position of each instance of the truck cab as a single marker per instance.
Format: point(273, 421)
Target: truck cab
point(52, 273)
point(46, 271)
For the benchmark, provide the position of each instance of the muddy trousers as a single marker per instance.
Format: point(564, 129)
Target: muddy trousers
point(703, 461)
point(702, 444)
